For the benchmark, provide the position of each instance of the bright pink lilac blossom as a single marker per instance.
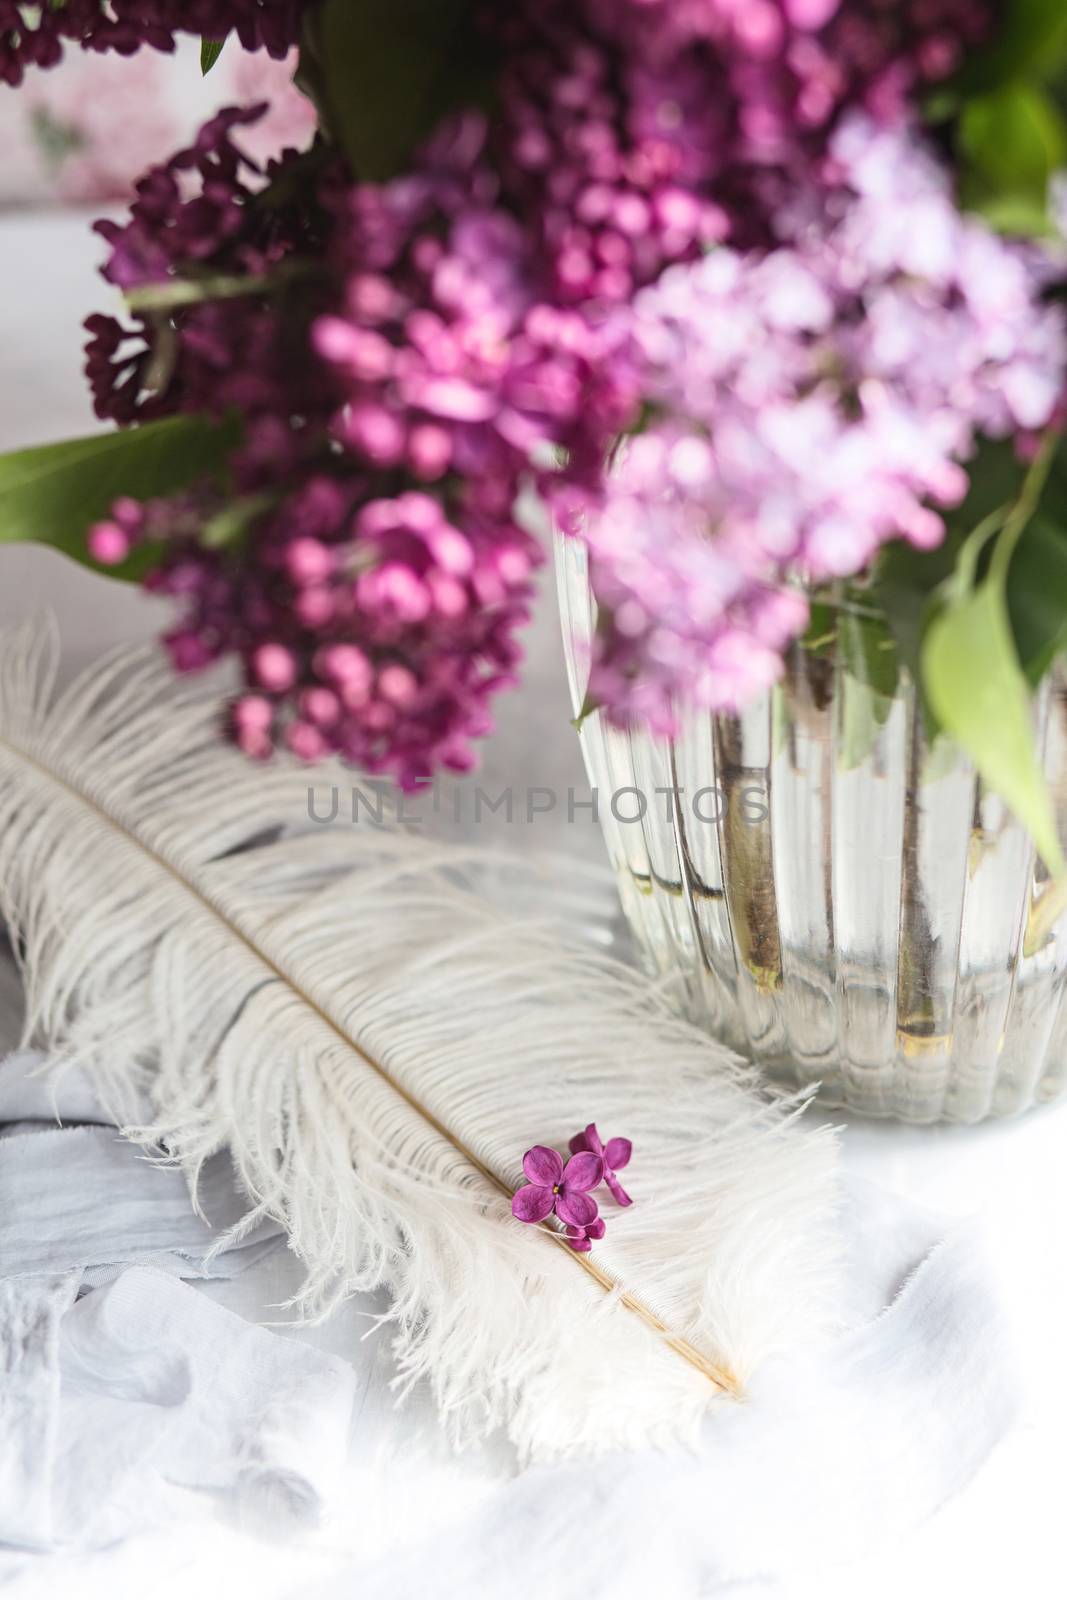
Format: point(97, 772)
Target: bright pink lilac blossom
point(450, 367)
point(375, 593)
point(615, 1155)
point(559, 1189)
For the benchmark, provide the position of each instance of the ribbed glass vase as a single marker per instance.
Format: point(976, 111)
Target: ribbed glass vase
point(843, 902)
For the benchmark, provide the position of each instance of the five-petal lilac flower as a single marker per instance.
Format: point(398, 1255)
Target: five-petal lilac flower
point(554, 1187)
point(615, 1154)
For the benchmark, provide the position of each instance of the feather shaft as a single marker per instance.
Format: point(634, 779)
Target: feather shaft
point(721, 1379)
point(372, 1026)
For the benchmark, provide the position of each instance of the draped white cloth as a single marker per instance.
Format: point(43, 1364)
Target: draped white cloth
point(113, 1402)
point(124, 1390)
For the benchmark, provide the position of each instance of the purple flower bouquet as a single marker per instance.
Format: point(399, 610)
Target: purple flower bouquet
point(764, 299)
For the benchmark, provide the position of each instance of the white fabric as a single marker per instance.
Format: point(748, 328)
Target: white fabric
point(834, 1454)
point(30, 1095)
point(83, 1197)
point(835, 1457)
point(111, 1403)
point(30, 1314)
point(114, 1404)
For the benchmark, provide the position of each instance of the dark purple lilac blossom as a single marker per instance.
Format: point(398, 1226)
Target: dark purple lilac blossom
point(635, 133)
point(581, 1239)
point(377, 577)
point(202, 220)
point(35, 35)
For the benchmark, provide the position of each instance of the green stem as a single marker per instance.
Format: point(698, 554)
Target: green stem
point(178, 292)
point(1019, 516)
point(963, 578)
point(589, 706)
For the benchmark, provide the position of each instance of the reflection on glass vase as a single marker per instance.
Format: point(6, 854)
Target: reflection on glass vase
point(842, 900)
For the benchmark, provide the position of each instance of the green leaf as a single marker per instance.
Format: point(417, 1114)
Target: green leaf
point(996, 478)
point(905, 583)
point(54, 493)
point(981, 697)
point(907, 580)
point(588, 708)
point(1030, 37)
point(1037, 596)
point(1022, 216)
point(1015, 139)
point(868, 649)
point(976, 687)
point(991, 601)
point(390, 69)
point(210, 50)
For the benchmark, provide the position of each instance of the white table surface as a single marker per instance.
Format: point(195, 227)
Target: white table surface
point(1001, 1535)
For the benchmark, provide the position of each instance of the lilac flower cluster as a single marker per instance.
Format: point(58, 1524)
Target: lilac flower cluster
point(200, 217)
point(386, 629)
point(634, 133)
point(793, 64)
point(610, 167)
point(405, 357)
point(809, 403)
point(367, 626)
point(35, 35)
point(452, 377)
point(453, 370)
point(381, 574)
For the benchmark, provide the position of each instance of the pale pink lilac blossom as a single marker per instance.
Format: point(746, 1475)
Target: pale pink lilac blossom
point(808, 404)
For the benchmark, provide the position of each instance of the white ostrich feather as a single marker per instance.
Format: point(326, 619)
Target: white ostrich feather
point(378, 1039)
